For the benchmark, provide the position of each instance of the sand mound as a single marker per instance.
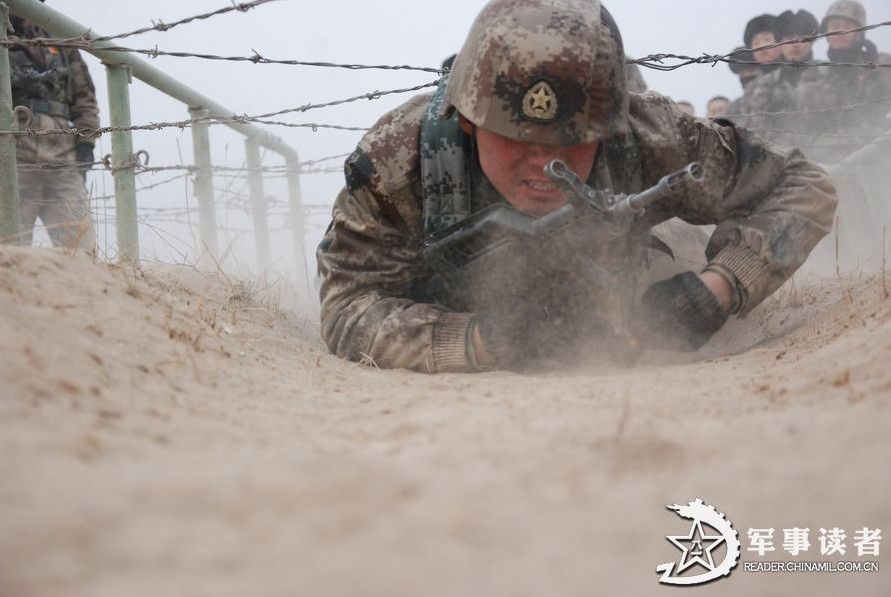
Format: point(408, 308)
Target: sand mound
point(170, 432)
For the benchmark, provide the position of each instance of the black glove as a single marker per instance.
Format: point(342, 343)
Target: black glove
point(680, 313)
point(83, 156)
point(555, 317)
point(519, 333)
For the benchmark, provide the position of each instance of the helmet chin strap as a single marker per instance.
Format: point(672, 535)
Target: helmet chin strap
point(467, 126)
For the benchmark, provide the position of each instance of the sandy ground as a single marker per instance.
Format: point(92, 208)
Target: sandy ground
point(167, 432)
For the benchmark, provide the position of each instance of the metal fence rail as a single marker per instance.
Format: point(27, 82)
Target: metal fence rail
point(120, 68)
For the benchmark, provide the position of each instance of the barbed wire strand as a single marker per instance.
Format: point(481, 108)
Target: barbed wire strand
point(255, 58)
point(655, 61)
point(163, 27)
point(371, 96)
point(304, 166)
point(212, 120)
point(144, 188)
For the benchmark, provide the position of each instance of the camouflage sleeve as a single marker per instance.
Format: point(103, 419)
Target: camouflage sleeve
point(83, 107)
point(369, 259)
point(771, 206)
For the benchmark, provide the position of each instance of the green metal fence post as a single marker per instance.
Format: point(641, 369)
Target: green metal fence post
point(10, 219)
point(60, 25)
point(298, 225)
point(207, 218)
point(258, 202)
point(122, 162)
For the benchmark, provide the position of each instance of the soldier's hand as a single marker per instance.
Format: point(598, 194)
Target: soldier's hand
point(520, 333)
point(510, 335)
point(680, 313)
point(84, 157)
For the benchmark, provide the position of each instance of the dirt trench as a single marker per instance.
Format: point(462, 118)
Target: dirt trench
point(166, 431)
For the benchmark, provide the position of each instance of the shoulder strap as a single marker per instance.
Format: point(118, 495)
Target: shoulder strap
point(445, 153)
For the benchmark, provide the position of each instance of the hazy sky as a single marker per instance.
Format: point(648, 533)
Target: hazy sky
point(383, 32)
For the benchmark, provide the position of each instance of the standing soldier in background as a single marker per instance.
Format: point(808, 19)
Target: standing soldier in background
point(687, 108)
point(848, 104)
point(717, 107)
point(743, 67)
point(55, 88)
point(760, 32)
point(772, 98)
point(748, 65)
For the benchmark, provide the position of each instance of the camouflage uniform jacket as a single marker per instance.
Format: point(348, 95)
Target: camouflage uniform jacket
point(52, 76)
point(736, 106)
point(771, 208)
point(770, 104)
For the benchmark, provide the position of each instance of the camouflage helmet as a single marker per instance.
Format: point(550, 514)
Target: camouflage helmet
point(845, 9)
point(549, 71)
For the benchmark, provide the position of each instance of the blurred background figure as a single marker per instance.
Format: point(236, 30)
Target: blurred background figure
point(845, 15)
point(761, 31)
point(717, 107)
point(797, 25)
point(844, 103)
point(773, 98)
point(687, 108)
point(52, 89)
point(743, 66)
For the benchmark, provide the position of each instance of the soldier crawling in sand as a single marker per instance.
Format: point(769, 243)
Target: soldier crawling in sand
point(540, 84)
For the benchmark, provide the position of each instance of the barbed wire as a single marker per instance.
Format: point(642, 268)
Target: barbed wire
point(163, 27)
point(277, 208)
point(86, 43)
point(329, 158)
point(313, 126)
point(304, 167)
point(301, 167)
point(656, 61)
point(145, 187)
point(212, 120)
point(815, 36)
point(827, 110)
point(769, 129)
point(192, 169)
point(653, 61)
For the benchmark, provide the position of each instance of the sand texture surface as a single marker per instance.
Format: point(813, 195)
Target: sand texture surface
point(170, 432)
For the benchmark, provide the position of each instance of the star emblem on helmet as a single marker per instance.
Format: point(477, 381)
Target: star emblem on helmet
point(540, 102)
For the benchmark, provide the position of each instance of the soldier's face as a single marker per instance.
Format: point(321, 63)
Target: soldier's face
point(516, 169)
point(766, 38)
point(845, 41)
point(795, 52)
point(718, 108)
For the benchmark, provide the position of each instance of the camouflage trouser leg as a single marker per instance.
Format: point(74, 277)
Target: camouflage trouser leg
point(59, 199)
